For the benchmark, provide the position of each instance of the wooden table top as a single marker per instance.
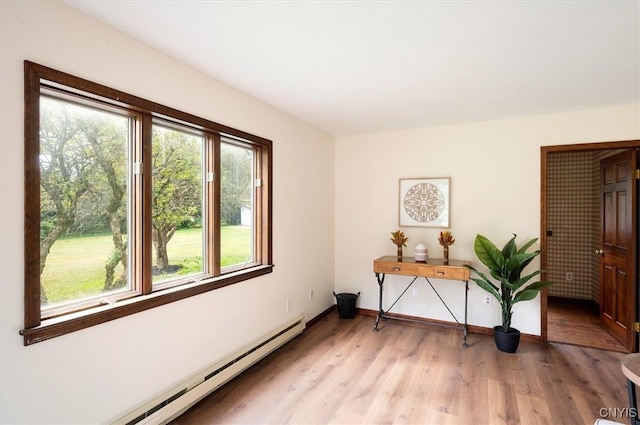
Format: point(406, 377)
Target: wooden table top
point(631, 367)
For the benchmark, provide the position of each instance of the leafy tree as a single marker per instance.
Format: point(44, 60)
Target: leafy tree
point(177, 192)
point(64, 174)
point(84, 182)
point(108, 143)
point(236, 187)
point(83, 179)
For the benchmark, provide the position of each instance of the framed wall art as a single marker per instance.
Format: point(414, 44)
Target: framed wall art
point(424, 202)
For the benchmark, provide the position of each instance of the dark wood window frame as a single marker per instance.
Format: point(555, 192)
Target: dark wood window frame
point(36, 329)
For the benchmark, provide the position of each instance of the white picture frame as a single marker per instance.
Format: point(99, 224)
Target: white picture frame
point(424, 202)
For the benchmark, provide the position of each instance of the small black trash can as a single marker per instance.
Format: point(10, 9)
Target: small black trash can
point(346, 305)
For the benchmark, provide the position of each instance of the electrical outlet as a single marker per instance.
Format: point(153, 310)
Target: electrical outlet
point(569, 277)
point(415, 291)
point(487, 300)
point(311, 294)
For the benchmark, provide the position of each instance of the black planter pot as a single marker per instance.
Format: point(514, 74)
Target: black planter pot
point(506, 342)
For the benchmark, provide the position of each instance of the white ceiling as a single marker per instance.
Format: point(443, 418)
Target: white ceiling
point(350, 67)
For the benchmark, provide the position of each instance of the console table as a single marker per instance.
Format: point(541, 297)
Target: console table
point(433, 268)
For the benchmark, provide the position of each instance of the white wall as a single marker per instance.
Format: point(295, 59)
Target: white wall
point(97, 374)
point(495, 190)
point(100, 373)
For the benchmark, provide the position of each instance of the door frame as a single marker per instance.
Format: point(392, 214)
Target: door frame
point(544, 152)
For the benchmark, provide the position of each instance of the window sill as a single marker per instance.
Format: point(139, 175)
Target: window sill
point(58, 326)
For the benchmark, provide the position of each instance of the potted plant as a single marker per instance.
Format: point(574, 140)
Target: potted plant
point(506, 267)
point(399, 240)
point(445, 239)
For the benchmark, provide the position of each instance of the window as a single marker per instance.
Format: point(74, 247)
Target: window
point(130, 205)
point(236, 209)
point(177, 210)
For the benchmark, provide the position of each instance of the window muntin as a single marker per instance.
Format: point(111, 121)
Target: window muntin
point(134, 163)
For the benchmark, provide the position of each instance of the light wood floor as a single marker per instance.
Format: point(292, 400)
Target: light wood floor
point(579, 324)
point(341, 372)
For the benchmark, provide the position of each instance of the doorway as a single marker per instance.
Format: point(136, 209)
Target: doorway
point(570, 235)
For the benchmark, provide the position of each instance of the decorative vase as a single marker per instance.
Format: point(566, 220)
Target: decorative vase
point(420, 253)
point(507, 342)
point(399, 252)
point(446, 255)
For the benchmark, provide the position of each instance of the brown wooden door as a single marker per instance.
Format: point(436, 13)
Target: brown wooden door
point(618, 285)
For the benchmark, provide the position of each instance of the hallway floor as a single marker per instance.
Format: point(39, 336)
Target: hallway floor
point(578, 324)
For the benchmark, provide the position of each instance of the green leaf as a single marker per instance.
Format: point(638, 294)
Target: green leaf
point(526, 246)
point(489, 287)
point(530, 291)
point(510, 247)
point(488, 253)
point(525, 295)
point(483, 276)
point(525, 279)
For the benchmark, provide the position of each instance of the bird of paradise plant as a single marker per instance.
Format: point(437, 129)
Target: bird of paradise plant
point(508, 286)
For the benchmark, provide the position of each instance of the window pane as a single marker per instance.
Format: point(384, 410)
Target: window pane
point(236, 205)
point(83, 202)
point(178, 248)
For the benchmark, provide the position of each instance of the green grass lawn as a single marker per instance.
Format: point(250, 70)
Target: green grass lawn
point(75, 266)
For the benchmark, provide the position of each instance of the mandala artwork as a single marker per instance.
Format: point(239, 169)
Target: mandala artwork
point(424, 202)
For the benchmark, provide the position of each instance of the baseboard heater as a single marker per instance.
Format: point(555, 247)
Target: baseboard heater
point(176, 401)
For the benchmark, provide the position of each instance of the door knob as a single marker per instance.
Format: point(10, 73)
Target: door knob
point(599, 252)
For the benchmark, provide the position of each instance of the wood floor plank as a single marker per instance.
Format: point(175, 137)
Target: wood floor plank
point(341, 372)
point(575, 322)
point(533, 410)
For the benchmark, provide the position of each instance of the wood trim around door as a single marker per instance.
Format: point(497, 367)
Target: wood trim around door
point(544, 152)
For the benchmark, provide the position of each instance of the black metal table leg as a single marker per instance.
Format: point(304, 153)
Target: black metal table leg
point(633, 404)
point(380, 278)
point(466, 326)
point(463, 326)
